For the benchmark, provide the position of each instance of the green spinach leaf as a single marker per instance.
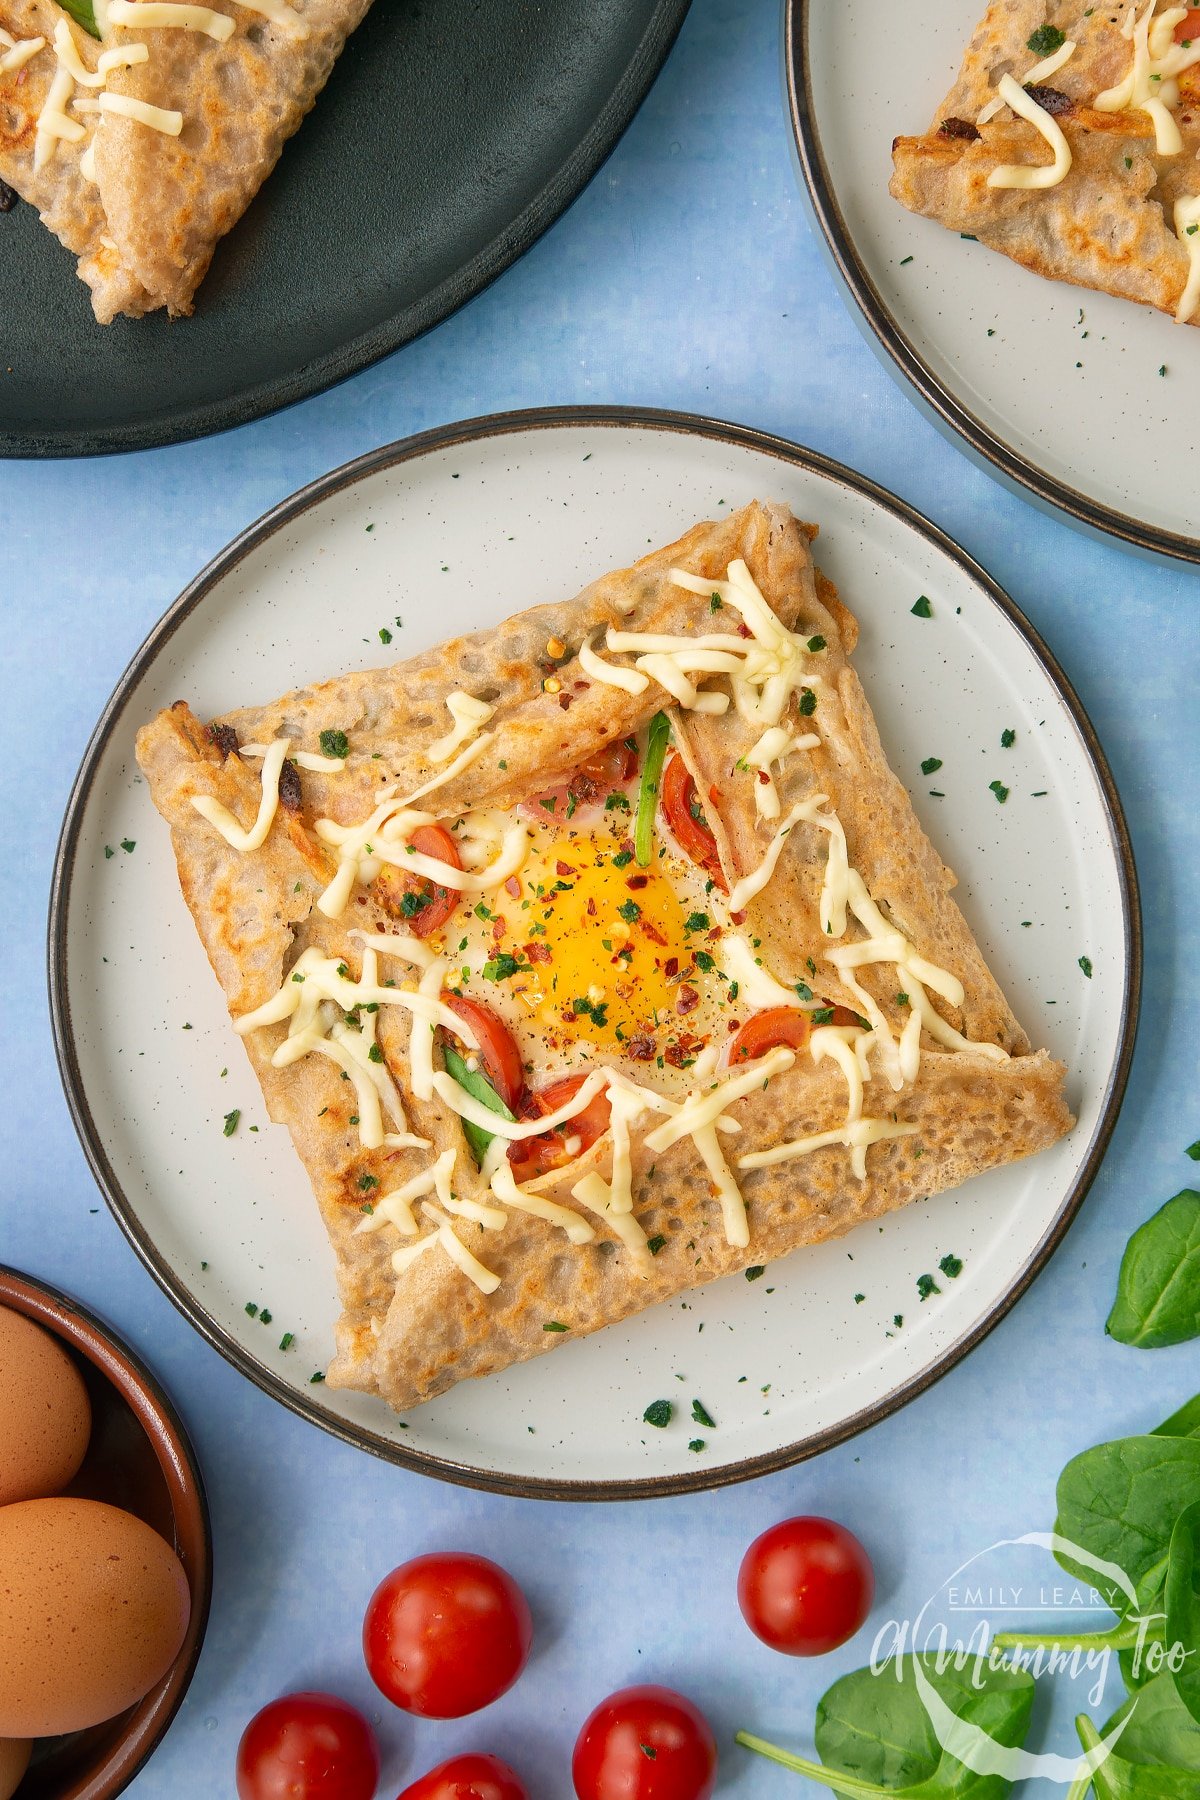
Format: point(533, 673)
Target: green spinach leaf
point(875, 1737)
point(1157, 1756)
point(1182, 1598)
point(1120, 1502)
point(83, 14)
point(1158, 1293)
point(480, 1089)
point(1184, 1423)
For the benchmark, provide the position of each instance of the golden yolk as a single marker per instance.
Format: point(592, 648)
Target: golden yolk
point(606, 952)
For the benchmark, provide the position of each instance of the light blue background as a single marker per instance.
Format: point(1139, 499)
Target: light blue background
point(687, 276)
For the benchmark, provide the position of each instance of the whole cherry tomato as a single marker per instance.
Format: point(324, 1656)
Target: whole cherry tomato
point(805, 1586)
point(446, 1634)
point(692, 831)
point(307, 1747)
point(497, 1049)
point(468, 1778)
point(531, 1157)
point(645, 1743)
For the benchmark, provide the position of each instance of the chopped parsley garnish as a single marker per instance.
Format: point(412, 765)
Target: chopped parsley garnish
point(902, 1000)
point(231, 1121)
point(554, 1325)
point(316, 1380)
point(810, 965)
point(702, 1415)
point(501, 967)
point(697, 921)
point(655, 1244)
point(754, 1273)
point(951, 1266)
point(596, 1010)
point(368, 1181)
point(897, 1320)
point(1085, 963)
point(483, 911)
point(803, 990)
point(385, 636)
point(343, 971)
point(287, 1340)
point(815, 644)
point(648, 1749)
point(252, 1309)
point(1007, 739)
point(622, 859)
point(630, 911)
point(704, 962)
point(808, 703)
point(109, 852)
point(930, 765)
point(716, 603)
point(617, 802)
point(128, 844)
point(859, 1298)
point(926, 1285)
point(335, 743)
point(696, 1444)
point(411, 903)
point(822, 1015)
point(375, 1054)
point(922, 609)
point(998, 788)
point(1045, 40)
point(659, 1414)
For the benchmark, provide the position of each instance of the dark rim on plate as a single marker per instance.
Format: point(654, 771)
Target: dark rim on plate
point(547, 206)
point(890, 342)
point(391, 456)
point(68, 1319)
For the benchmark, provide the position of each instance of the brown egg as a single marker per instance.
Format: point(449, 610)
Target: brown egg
point(45, 1415)
point(94, 1606)
point(14, 1760)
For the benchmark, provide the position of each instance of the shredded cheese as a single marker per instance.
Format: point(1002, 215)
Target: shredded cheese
point(632, 681)
point(743, 891)
point(19, 52)
point(467, 1107)
point(457, 1251)
point(593, 1193)
point(1032, 175)
point(151, 15)
point(856, 1137)
point(395, 1208)
point(506, 1188)
point(303, 759)
point(53, 124)
point(1187, 229)
point(468, 715)
point(220, 817)
point(755, 982)
point(1042, 71)
point(1152, 85)
point(154, 118)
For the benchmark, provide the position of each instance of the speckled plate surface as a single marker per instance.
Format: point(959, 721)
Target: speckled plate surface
point(447, 533)
point(449, 137)
point(1088, 404)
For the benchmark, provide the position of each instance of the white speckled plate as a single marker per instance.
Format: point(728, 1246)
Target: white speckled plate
point(1084, 402)
point(466, 524)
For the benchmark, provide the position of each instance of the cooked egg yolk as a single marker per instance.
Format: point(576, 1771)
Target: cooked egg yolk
point(583, 946)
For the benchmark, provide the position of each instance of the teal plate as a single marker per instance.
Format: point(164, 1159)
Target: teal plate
point(449, 138)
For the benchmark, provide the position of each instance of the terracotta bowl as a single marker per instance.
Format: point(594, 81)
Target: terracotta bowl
point(139, 1458)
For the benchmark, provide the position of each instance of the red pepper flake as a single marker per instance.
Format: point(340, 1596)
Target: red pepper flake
point(739, 918)
point(763, 776)
point(562, 868)
point(671, 967)
point(499, 927)
point(591, 907)
point(513, 886)
point(743, 629)
point(652, 932)
point(687, 1000)
point(641, 1049)
point(734, 1025)
point(537, 952)
point(564, 700)
point(637, 881)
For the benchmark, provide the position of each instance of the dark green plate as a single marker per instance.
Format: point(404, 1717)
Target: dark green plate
point(452, 133)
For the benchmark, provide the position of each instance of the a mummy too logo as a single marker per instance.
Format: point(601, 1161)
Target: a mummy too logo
point(972, 1657)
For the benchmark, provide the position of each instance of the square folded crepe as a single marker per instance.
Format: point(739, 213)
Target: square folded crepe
point(143, 145)
point(1069, 142)
point(747, 1014)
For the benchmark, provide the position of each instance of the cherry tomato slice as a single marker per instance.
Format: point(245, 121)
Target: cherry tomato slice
point(692, 834)
point(497, 1052)
point(446, 1634)
point(531, 1157)
point(307, 1747)
point(589, 785)
point(805, 1586)
point(471, 1777)
point(1188, 30)
point(767, 1030)
point(422, 905)
point(645, 1743)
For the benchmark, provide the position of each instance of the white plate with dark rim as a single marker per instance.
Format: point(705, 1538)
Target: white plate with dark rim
point(1086, 403)
point(466, 524)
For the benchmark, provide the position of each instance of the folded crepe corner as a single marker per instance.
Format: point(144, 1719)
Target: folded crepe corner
point(140, 167)
point(1069, 144)
point(911, 1072)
